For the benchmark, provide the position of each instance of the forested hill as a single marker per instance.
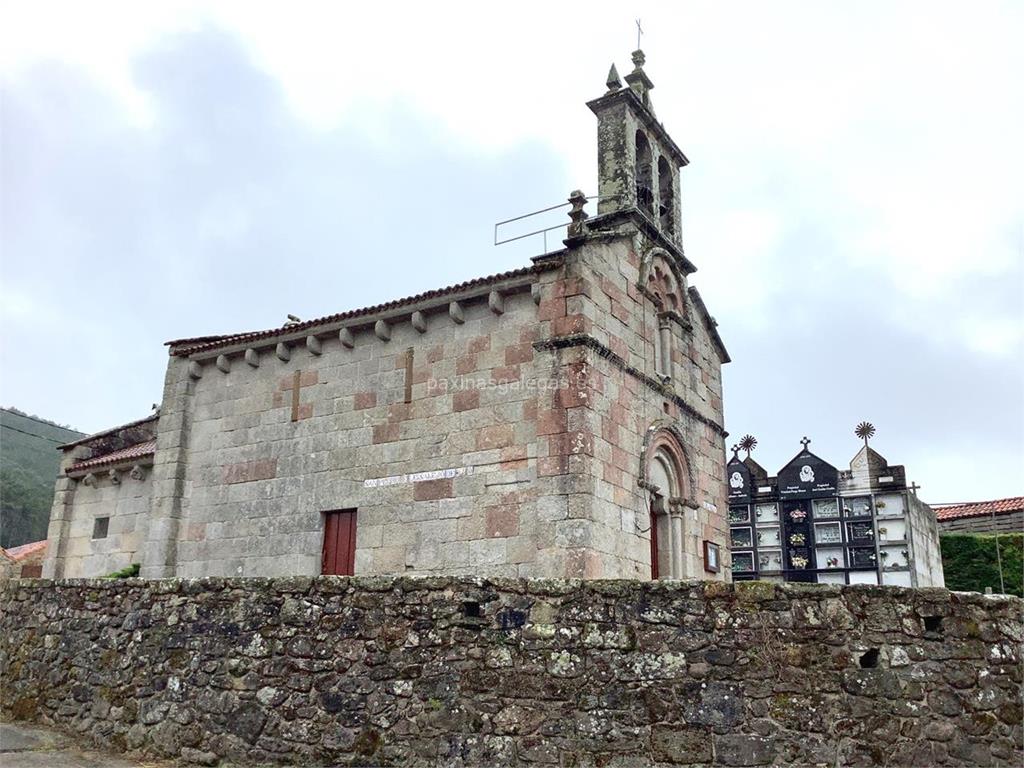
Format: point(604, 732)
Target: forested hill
point(29, 461)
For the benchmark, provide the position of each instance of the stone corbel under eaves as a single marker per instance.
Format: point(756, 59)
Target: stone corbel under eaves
point(136, 469)
point(346, 328)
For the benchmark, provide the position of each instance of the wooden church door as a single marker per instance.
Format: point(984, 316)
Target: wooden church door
point(339, 556)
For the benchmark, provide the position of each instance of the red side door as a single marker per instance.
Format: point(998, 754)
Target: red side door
point(339, 557)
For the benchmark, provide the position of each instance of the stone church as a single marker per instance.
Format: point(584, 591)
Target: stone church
point(559, 420)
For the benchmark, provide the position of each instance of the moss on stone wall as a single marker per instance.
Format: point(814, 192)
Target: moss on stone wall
point(470, 672)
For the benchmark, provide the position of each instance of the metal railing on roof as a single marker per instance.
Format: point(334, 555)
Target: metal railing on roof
point(544, 231)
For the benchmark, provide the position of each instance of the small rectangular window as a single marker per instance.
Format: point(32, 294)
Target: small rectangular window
point(100, 527)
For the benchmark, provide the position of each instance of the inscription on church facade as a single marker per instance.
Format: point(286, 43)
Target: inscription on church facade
point(418, 477)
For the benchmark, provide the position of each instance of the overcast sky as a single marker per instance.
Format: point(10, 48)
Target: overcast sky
point(854, 202)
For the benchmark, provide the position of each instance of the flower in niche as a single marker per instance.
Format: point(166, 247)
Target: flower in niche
point(798, 561)
point(832, 562)
point(797, 514)
point(797, 539)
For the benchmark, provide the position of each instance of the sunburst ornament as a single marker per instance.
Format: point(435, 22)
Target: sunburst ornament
point(865, 431)
point(748, 443)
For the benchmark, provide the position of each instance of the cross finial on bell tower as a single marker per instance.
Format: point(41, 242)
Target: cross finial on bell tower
point(805, 442)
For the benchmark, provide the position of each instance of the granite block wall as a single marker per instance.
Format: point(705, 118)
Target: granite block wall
point(257, 481)
point(628, 398)
point(125, 501)
point(461, 672)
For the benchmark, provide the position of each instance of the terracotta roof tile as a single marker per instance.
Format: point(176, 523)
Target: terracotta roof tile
point(25, 550)
point(110, 431)
point(202, 344)
point(979, 508)
point(136, 451)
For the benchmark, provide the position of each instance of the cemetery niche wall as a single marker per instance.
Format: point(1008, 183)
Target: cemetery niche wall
point(815, 523)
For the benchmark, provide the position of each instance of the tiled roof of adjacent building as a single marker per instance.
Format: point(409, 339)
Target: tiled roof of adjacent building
point(110, 431)
point(25, 550)
point(183, 347)
point(979, 508)
point(136, 451)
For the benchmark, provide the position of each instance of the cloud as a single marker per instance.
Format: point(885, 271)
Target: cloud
point(225, 214)
point(853, 201)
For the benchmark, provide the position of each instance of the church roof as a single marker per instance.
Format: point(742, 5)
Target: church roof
point(184, 347)
point(979, 508)
point(137, 451)
point(110, 431)
point(710, 323)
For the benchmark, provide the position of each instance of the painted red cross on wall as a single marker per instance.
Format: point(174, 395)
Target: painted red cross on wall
point(289, 392)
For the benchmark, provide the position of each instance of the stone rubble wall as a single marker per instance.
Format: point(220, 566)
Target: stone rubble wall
point(460, 671)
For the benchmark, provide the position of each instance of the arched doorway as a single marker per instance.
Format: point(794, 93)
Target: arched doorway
point(666, 485)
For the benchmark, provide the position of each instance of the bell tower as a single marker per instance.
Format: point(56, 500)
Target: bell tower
point(638, 162)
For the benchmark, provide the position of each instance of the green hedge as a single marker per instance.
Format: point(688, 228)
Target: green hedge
point(970, 564)
point(125, 573)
